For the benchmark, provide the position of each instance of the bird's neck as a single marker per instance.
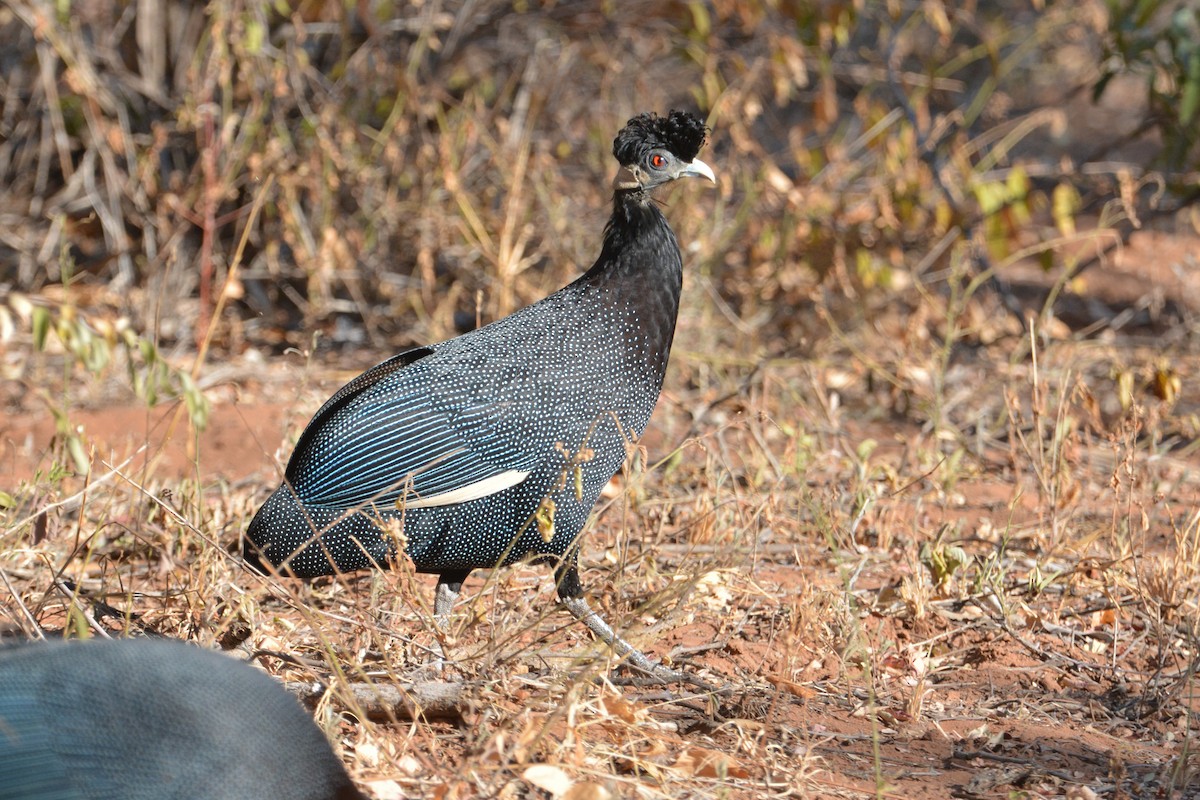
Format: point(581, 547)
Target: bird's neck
point(640, 274)
point(639, 245)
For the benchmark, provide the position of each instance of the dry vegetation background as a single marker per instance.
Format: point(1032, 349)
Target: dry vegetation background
point(921, 496)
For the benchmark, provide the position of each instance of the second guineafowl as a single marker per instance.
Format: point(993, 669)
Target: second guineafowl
point(493, 446)
point(154, 719)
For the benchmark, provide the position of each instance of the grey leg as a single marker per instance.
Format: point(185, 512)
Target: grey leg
point(449, 586)
point(583, 612)
point(570, 593)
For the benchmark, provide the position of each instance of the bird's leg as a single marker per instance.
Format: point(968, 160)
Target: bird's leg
point(449, 586)
point(579, 607)
point(570, 593)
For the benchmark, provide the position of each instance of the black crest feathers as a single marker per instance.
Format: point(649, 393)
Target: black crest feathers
point(680, 132)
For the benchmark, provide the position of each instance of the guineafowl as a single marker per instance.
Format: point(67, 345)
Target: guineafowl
point(493, 446)
point(154, 720)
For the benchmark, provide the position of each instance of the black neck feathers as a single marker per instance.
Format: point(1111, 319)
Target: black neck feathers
point(638, 240)
point(640, 272)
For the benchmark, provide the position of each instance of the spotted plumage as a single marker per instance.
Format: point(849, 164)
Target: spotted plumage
point(493, 446)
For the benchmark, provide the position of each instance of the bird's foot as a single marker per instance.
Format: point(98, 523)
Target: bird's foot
point(649, 672)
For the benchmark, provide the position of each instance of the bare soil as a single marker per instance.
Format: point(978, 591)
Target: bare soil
point(842, 669)
point(911, 544)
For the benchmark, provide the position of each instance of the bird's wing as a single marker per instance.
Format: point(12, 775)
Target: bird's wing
point(360, 384)
point(383, 436)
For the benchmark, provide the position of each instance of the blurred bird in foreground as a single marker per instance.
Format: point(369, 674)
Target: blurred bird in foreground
point(154, 720)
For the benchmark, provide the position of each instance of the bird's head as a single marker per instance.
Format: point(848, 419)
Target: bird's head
point(654, 150)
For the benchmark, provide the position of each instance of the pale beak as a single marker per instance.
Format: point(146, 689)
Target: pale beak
point(698, 169)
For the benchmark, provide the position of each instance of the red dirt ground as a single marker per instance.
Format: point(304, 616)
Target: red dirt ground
point(965, 702)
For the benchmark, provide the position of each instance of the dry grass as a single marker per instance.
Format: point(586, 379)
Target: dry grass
point(921, 496)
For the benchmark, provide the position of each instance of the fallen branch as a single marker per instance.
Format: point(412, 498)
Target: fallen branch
point(384, 701)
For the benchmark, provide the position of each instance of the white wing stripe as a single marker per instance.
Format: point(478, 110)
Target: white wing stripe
point(472, 491)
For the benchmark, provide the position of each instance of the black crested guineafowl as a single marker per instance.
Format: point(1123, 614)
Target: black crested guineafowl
point(154, 720)
point(493, 447)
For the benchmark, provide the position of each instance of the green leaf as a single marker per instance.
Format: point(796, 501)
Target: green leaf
point(196, 402)
point(97, 355)
point(1064, 204)
point(1101, 85)
point(942, 561)
point(701, 22)
point(1190, 99)
point(41, 327)
point(83, 464)
point(990, 197)
point(1017, 182)
point(255, 36)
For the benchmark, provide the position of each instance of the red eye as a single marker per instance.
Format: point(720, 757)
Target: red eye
point(657, 161)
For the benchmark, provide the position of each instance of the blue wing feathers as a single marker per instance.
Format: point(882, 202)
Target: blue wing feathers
point(439, 418)
point(400, 428)
point(351, 390)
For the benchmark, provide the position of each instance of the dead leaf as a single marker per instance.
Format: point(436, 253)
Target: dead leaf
point(386, 790)
point(619, 707)
point(791, 687)
point(587, 791)
point(368, 753)
point(409, 765)
point(548, 778)
point(705, 763)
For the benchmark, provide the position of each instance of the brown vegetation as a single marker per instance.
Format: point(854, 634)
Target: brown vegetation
point(921, 495)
